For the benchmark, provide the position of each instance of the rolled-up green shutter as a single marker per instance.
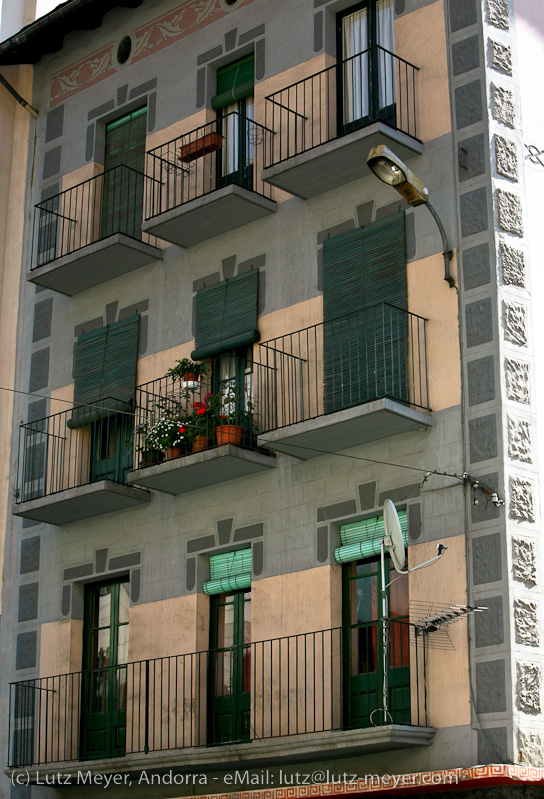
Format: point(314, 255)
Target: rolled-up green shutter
point(229, 571)
point(226, 316)
point(105, 370)
point(234, 82)
point(363, 539)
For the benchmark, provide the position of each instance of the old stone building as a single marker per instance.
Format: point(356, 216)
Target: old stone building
point(234, 345)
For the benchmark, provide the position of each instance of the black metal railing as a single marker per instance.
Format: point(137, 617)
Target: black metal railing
point(217, 406)
point(354, 359)
point(372, 86)
point(229, 150)
point(102, 206)
point(73, 448)
point(301, 684)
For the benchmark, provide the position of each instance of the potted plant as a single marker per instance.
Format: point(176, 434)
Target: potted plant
point(234, 419)
point(202, 423)
point(187, 372)
point(169, 434)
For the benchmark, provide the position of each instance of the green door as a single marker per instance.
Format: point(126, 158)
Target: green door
point(104, 680)
point(111, 455)
point(234, 104)
point(124, 165)
point(230, 672)
point(364, 314)
point(363, 646)
point(366, 75)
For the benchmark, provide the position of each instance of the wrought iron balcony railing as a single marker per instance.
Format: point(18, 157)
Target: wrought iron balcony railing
point(301, 684)
point(217, 406)
point(74, 448)
point(372, 86)
point(102, 206)
point(354, 359)
point(229, 150)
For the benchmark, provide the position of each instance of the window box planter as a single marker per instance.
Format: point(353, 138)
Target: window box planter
point(196, 149)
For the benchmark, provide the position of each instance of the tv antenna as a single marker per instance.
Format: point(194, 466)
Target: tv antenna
point(394, 543)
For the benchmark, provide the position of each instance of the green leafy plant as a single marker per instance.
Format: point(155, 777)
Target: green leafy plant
point(186, 367)
point(164, 432)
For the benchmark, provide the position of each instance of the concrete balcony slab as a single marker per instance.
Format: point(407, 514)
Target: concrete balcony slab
point(94, 264)
point(344, 429)
point(208, 216)
point(201, 469)
point(82, 502)
point(268, 753)
point(338, 161)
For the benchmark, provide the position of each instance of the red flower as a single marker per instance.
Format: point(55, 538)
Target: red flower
point(208, 396)
point(197, 405)
point(182, 430)
point(223, 416)
point(201, 411)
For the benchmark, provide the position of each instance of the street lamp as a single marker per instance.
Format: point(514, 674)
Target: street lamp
point(391, 170)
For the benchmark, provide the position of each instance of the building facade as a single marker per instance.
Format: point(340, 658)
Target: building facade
point(234, 345)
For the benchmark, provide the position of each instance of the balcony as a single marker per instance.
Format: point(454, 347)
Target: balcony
point(91, 233)
point(207, 182)
point(339, 384)
point(325, 125)
point(72, 468)
point(317, 689)
point(219, 416)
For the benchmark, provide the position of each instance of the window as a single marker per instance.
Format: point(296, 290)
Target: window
point(105, 378)
point(230, 646)
point(366, 77)
point(234, 104)
point(124, 166)
point(364, 311)
point(363, 636)
point(104, 669)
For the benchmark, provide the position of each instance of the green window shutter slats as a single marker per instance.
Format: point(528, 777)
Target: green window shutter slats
point(226, 316)
point(234, 82)
point(384, 262)
point(125, 141)
point(364, 341)
point(105, 370)
point(123, 190)
point(229, 571)
point(363, 539)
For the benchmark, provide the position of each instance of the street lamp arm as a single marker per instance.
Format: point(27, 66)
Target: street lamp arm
point(447, 252)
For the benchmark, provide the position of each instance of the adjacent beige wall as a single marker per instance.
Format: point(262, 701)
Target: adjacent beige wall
point(15, 125)
point(175, 626)
point(61, 647)
point(448, 693)
point(420, 38)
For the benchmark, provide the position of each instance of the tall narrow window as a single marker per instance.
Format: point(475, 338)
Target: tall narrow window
point(124, 166)
point(104, 670)
point(366, 76)
point(235, 113)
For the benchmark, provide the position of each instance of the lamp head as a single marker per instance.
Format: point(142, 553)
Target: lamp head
point(391, 170)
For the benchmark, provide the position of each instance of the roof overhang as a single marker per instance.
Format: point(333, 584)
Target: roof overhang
point(46, 35)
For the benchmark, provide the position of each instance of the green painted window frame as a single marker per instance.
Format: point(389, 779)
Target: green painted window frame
point(229, 571)
point(234, 82)
point(362, 539)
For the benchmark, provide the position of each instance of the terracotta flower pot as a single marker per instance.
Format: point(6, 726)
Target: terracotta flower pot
point(200, 443)
point(173, 452)
point(229, 434)
point(189, 380)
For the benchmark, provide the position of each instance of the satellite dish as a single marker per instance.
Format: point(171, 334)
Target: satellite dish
point(394, 540)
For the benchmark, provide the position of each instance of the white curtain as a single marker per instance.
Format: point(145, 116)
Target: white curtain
point(386, 64)
point(231, 133)
point(355, 58)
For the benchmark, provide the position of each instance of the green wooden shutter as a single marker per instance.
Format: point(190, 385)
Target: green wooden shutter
point(229, 571)
point(363, 539)
point(105, 370)
point(364, 340)
point(123, 191)
point(226, 316)
point(234, 82)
